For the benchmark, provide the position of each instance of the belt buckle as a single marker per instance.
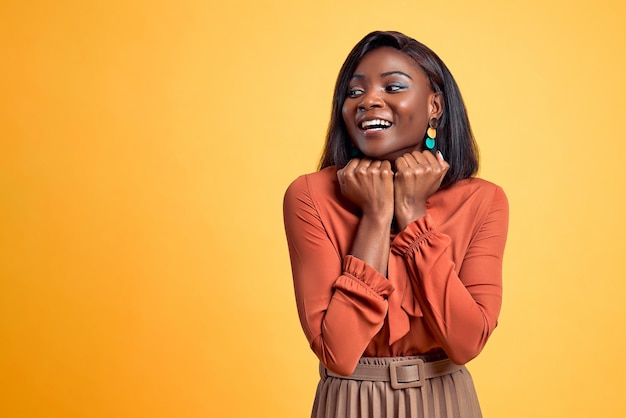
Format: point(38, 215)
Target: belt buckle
point(421, 373)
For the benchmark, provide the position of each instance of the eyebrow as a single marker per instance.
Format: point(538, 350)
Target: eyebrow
point(388, 73)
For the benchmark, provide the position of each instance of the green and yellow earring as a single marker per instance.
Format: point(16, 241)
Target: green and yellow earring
point(431, 134)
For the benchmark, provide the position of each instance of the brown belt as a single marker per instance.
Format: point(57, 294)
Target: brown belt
point(401, 374)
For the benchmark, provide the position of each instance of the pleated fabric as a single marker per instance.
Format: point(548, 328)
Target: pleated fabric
point(448, 396)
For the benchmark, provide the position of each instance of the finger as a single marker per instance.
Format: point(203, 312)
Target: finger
point(401, 163)
point(429, 159)
point(437, 166)
point(379, 168)
point(385, 169)
point(415, 159)
point(441, 161)
point(435, 163)
point(363, 166)
point(348, 169)
point(422, 157)
point(367, 167)
point(352, 165)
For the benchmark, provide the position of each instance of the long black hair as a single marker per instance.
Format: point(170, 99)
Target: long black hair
point(454, 134)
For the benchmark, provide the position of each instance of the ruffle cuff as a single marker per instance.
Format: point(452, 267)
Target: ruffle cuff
point(413, 235)
point(361, 278)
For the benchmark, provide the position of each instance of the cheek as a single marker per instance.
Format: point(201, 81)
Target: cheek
point(346, 113)
point(416, 113)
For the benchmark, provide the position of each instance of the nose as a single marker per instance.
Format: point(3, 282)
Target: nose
point(370, 100)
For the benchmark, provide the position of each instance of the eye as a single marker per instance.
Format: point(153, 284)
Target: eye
point(355, 92)
point(393, 88)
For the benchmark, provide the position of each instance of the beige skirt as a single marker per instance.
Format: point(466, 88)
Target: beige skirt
point(448, 396)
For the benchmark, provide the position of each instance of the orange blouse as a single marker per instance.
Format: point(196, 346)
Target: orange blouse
point(444, 285)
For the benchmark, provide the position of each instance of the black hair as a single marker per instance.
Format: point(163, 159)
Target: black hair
point(454, 134)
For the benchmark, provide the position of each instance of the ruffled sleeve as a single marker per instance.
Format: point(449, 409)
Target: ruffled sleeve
point(415, 234)
point(342, 301)
point(461, 307)
point(359, 277)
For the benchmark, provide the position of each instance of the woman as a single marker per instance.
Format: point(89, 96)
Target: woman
point(396, 249)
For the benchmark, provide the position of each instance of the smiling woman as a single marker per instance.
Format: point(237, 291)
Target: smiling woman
point(396, 249)
point(389, 100)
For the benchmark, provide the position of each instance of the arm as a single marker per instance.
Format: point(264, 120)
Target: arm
point(418, 176)
point(342, 302)
point(460, 309)
point(369, 185)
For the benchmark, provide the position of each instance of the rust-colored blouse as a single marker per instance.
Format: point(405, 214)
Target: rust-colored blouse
point(444, 285)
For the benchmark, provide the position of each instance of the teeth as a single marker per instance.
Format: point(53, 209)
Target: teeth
point(379, 123)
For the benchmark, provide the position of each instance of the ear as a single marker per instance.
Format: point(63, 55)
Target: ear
point(435, 105)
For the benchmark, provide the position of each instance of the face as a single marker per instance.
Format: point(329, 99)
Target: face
point(388, 105)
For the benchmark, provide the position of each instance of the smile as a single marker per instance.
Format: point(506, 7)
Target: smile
point(375, 124)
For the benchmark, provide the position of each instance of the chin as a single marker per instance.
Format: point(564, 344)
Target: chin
point(384, 156)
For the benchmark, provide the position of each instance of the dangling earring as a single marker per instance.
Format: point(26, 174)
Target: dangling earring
point(354, 152)
point(431, 134)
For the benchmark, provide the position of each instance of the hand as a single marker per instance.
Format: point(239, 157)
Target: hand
point(418, 176)
point(368, 184)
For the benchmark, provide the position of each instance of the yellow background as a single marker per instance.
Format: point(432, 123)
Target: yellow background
point(145, 149)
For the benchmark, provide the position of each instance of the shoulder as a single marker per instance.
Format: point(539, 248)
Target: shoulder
point(478, 189)
point(487, 201)
point(473, 206)
point(315, 201)
point(314, 186)
point(472, 198)
point(475, 184)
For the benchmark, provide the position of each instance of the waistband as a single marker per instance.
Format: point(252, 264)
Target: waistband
point(401, 372)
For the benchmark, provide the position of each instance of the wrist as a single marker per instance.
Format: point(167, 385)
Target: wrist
point(405, 217)
point(382, 220)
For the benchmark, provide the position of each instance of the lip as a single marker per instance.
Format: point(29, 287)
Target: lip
point(359, 121)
